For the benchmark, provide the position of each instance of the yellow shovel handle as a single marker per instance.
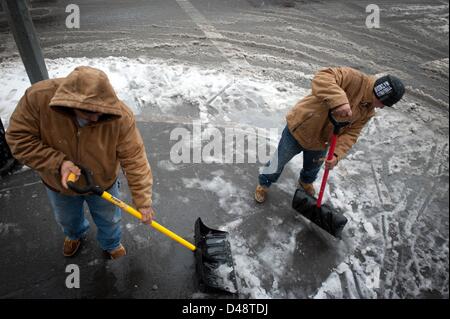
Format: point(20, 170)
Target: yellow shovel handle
point(137, 214)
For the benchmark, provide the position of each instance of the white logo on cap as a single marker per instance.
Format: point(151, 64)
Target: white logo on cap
point(383, 89)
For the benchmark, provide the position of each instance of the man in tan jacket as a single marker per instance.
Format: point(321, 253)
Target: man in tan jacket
point(351, 96)
point(62, 122)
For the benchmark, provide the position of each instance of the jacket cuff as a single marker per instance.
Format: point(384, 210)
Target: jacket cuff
point(335, 103)
point(339, 154)
point(59, 162)
point(146, 203)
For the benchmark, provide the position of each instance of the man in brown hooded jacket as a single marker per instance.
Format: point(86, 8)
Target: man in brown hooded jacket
point(62, 122)
point(351, 96)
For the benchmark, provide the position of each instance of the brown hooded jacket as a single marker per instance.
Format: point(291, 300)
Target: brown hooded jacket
point(43, 132)
point(332, 87)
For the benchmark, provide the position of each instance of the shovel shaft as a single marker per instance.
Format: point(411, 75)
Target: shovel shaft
point(154, 224)
point(107, 196)
point(327, 171)
point(337, 126)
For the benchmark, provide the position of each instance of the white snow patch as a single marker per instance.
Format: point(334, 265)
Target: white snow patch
point(9, 228)
point(223, 272)
point(159, 87)
point(369, 229)
point(217, 185)
point(230, 198)
point(331, 288)
point(167, 165)
point(438, 66)
point(248, 270)
point(130, 227)
point(94, 262)
point(278, 251)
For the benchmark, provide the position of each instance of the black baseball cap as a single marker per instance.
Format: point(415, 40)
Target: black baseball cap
point(388, 89)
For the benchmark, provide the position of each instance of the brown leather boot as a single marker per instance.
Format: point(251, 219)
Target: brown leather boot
point(261, 193)
point(71, 246)
point(309, 188)
point(118, 252)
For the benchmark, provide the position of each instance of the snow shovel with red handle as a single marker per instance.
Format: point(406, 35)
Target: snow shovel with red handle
point(322, 215)
point(212, 250)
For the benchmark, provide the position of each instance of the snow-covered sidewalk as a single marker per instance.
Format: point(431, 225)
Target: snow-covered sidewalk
point(393, 187)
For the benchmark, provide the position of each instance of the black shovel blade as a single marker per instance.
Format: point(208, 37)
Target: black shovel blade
point(324, 217)
point(214, 261)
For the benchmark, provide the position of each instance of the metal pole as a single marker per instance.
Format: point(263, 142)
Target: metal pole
point(7, 161)
point(27, 42)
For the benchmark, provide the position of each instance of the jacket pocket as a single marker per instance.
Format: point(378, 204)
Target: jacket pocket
point(308, 117)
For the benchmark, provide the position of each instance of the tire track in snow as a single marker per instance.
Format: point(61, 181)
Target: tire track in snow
point(406, 238)
point(401, 42)
point(283, 49)
point(383, 192)
point(432, 158)
point(424, 198)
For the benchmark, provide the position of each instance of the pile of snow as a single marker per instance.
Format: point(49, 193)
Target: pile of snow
point(160, 87)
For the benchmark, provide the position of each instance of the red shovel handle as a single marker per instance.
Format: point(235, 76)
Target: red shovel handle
point(337, 127)
point(327, 171)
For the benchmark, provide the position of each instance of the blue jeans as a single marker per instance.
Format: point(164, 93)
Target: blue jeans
point(288, 147)
point(69, 214)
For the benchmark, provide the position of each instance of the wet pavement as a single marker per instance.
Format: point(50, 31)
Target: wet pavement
point(155, 267)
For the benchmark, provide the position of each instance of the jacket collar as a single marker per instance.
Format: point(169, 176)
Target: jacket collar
point(368, 92)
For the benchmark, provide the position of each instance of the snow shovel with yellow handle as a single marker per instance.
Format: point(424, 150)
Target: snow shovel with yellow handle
point(212, 250)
